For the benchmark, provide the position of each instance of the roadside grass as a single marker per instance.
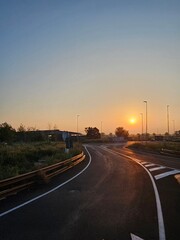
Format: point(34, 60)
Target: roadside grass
point(21, 158)
point(156, 146)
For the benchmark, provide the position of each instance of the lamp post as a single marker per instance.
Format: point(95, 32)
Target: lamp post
point(141, 123)
point(168, 119)
point(146, 118)
point(173, 126)
point(77, 126)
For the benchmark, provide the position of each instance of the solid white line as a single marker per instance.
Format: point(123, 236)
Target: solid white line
point(50, 191)
point(162, 235)
point(162, 175)
point(156, 168)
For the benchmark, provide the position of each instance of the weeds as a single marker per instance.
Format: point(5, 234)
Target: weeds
point(16, 159)
point(156, 146)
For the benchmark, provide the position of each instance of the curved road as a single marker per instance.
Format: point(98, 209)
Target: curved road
point(108, 196)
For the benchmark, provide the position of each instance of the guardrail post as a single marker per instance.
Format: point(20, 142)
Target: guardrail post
point(42, 178)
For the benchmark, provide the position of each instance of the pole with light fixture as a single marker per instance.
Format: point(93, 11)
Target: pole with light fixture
point(168, 119)
point(146, 119)
point(141, 123)
point(77, 127)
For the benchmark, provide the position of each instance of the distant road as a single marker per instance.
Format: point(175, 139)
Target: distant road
point(114, 194)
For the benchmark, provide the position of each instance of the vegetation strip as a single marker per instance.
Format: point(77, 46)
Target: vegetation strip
point(21, 158)
point(50, 191)
point(19, 183)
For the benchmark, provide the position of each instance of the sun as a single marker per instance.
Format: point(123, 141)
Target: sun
point(132, 120)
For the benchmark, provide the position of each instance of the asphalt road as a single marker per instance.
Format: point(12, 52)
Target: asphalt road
point(108, 196)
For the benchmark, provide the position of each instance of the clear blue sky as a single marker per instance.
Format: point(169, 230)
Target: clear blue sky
point(100, 59)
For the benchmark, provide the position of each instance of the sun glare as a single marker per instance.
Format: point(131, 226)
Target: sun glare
point(132, 120)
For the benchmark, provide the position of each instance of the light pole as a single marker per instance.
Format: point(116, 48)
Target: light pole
point(168, 119)
point(101, 127)
point(141, 122)
point(77, 126)
point(173, 126)
point(146, 118)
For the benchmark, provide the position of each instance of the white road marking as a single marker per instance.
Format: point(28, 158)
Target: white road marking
point(150, 165)
point(156, 168)
point(162, 235)
point(144, 163)
point(162, 175)
point(50, 191)
point(161, 227)
point(134, 237)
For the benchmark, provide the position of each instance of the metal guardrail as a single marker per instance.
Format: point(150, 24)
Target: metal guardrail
point(13, 185)
point(170, 152)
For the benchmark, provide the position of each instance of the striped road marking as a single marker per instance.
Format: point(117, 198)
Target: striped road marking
point(161, 227)
point(156, 168)
point(162, 175)
point(150, 165)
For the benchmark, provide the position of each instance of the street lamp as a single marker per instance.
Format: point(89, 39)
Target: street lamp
point(168, 119)
point(77, 122)
point(146, 118)
point(141, 122)
point(77, 117)
point(173, 126)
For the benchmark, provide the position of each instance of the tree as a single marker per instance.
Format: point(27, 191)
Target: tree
point(92, 132)
point(30, 129)
point(6, 132)
point(21, 133)
point(21, 128)
point(121, 132)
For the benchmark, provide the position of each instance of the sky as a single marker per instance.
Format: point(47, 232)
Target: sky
point(90, 63)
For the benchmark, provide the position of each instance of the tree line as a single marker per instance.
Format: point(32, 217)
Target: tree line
point(93, 132)
point(9, 134)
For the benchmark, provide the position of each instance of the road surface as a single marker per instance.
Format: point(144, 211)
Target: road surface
point(114, 194)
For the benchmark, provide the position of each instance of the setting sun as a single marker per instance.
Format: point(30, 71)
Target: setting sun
point(132, 120)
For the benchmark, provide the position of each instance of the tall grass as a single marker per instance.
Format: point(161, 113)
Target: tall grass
point(22, 158)
point(156, 146)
